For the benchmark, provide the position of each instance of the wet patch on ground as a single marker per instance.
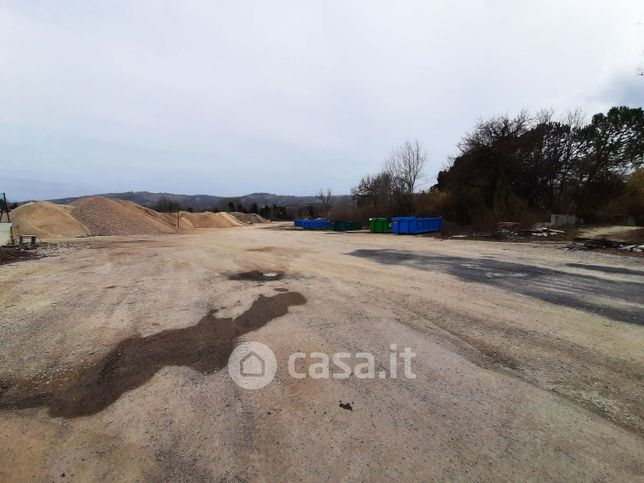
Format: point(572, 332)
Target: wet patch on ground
point(204, 347)
point(257, 276)
point(602, 268)
point(13, 255)
point(577, 291)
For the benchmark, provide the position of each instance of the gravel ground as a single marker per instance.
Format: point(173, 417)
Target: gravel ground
point(529, 359)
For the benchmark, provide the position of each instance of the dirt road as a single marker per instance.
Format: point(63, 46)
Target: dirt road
point(529, 360)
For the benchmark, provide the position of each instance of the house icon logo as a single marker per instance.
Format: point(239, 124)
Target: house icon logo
point(252, 365)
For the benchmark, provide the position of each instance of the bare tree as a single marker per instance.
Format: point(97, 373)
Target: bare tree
point(375, 190)
point(325, 198)
point(575, 118)
point(405, 167)
point(544, 116)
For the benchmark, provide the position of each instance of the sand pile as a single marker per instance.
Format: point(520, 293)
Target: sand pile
point(171, 220)
point(209, 220)
point(47, 220)
point(248, 217)
point(97, 215)
point(107, 216)
point(190, 221)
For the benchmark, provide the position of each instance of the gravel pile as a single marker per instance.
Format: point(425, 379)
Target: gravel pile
point(97, 215)
point(248, 217)
point(47, 220)
point(107, 216)
point(210, 220)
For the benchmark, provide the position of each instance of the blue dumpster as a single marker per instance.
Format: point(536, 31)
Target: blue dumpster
point(403, 224)
point(313, 224)
point(410, 225)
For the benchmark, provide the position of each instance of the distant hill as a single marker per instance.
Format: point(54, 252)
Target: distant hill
point(207, 202)
point(282, 200)
point(148, 199)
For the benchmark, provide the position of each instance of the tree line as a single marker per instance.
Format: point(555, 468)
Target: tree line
point(521, 166)
point(273, 212)
point(509, 166)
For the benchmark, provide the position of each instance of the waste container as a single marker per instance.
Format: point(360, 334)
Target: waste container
point(410, 225)
point(313, 224)
point(341, 225)
point(379, 225)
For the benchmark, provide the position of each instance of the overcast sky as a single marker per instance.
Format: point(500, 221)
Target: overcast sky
point(233, 97)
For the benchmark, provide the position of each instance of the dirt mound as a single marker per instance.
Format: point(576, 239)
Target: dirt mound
point(108, 216)
point(248, 217)
point(47, 220)
point(97, 215)
point(210, 220)
point(184, 222)
point(171, 220)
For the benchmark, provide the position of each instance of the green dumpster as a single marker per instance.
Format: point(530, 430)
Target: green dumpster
point(379, 225)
